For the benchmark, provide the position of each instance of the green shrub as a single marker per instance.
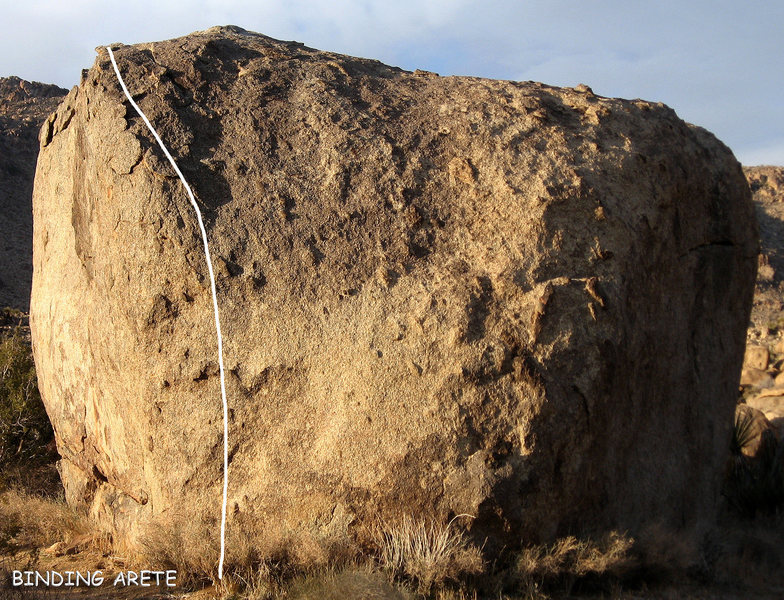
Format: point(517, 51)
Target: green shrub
point(25, 430)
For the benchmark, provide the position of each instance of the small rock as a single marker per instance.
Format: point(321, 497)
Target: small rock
point(460, 169)
point(779, 347)
point(755, 377)
point(757, 357)
point(771, 404)
point(766, 273)
point(56, 549)
point(584, 89)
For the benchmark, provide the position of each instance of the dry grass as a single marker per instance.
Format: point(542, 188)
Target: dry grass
point(259, 559)
point(424, 560)
point(748, 552)
point(356, 583)
point(664, 554)
point(186, 546)
point(29, 521)
point(568, 560)
point(429, 553)
point(415, 560)
point(576, 557)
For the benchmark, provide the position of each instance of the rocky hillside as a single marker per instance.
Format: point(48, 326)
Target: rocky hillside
point(24, 106)
point(762, 380)
point(440, 297)
point(767, 186)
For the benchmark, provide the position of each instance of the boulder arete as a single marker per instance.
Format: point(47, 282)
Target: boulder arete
point(440, 296)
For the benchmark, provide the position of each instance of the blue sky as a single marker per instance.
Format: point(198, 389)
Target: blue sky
point(717, 63)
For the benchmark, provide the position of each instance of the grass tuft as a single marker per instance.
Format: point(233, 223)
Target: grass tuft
point(428, 553)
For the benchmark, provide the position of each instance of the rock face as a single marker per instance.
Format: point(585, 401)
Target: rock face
point(23, 107)
point(439, 296)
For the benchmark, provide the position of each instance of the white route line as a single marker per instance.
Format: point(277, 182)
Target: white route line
point(214, 305)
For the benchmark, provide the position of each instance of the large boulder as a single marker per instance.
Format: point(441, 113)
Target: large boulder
point(439, 296)
point(24, 106)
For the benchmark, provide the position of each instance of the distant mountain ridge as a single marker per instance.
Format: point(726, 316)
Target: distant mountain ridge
point(24, 106)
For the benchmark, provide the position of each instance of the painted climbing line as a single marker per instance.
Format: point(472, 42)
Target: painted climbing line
point(214, 305)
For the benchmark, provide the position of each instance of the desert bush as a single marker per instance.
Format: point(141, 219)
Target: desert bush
point(25, 430)
point(428, 553)
point(747, 552)
point(11, 317)
point(663, 554)
point(568, 560)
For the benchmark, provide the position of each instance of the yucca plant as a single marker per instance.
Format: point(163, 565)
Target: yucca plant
point(742, 432)
point(754, 484)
